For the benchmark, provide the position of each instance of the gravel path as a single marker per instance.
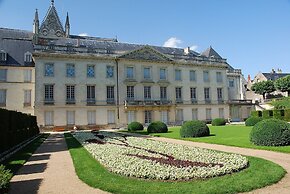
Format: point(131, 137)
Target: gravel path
point(282, 187)
point(50, 170)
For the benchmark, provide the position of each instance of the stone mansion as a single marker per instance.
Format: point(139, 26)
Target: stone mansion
point(66, 79)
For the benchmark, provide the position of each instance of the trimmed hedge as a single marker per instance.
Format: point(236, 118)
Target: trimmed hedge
point(283, 114)
point(287, 115)
point(5, 176)
point(256, 113)
point(251, 121)
point(278, 114)
point(194, 129)
point(135, 126)
point(157, 127)
point(271, 132)
point(218, 122)
point(267, 114)
point(15, 128)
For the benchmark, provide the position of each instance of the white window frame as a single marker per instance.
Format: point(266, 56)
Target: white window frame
point(70, 117)
point(178, 75)
point(221, 113)
point(206, 76)
point(195, 114)
point(3, 55)
point(48, 118)
point(91, 116)
point(111, 117)
point(131, 116)
point(3, 97)
point(93, 67)
point(70, 67)
point(147, 76)
point(28, 57)
point(27, 75)
point(128, 74)
point(208, 114)
point(192, 75)
point(147, 93)
point(161, 76)
point(219, 77)
point(130, 92)
point(27, 98)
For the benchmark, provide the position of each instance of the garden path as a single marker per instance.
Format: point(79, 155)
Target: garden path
point(282, 187)
point(50, 170)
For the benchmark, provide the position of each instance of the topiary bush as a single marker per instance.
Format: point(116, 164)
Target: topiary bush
point(271, 132)
point(218, 122)
point(157, 127)
point(194, 129)
point(135, 126)
point(5, 176)
point(251, 121)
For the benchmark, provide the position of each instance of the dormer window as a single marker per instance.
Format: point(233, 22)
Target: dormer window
point(3, 55)
point(28, 57)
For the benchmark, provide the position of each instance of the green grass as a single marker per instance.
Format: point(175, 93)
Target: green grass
point(231, 135)
point(259, 174)
point(16, 161)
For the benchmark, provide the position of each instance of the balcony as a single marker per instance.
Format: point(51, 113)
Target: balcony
point(48, 101)
point(221, 101)
point(240, 102)
point(27, 104)
point(91, 101)
point(147, 102)
point(207, 101)
point(193, 101)
point(111, 101)
point(70, 101)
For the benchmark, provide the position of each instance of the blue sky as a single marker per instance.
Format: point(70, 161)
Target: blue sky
point(253, 35)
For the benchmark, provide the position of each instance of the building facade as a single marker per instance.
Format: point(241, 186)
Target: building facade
point(91, 81)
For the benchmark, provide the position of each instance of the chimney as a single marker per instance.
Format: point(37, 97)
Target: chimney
point(186, 50)
point(249, 78)
point(273, 71)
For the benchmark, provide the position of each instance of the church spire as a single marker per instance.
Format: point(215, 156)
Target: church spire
point(67, 26)
point(36, 23)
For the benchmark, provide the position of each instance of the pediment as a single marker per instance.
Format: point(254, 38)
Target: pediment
point(145, 53)
point(51, 26)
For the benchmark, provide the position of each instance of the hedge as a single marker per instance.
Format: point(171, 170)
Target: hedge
point(15, 127)
point(283, 114)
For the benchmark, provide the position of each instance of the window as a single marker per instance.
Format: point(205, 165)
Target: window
point(48, 118)
point(2, 98)
point(27, 97)
point(178, 94)
point(162, 74)
point(192, 75)
point(130, 92)
point(91, 95)
point(219, 93)
point(164, 116)
point(131, 116)
point(206, 94)
point(194, 114)
point(70, 94)
point(49, 70)
point(3, 55)
point(231, 83)
point(110, 94)
point(91, 117)
point(91, 71)
point(148, 116)
point(163, 93)
point(130, 72)
point(70, 117)
point(177, 74)
point(28, 57)
point(48, 94)
point(3, 75)
point(147, 92)
point(27, 75)
point(111, 117)
point(208, 114)
point(221, 113)
point(147, 73)
point(205, 76)
point(179, 115)
point(110, 72)
point(70, 70)
point(219, 77)
point(193, 94)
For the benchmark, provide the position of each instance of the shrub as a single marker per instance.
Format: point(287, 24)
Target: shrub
point(135, 126)
point(287, 115)
point(218, 122)
point(267, 114)
point(252, 121)
point(256, 114)
point(5, 176)
point(194, 129)
point(271, 132)
point(278, 114)
point(157, 127)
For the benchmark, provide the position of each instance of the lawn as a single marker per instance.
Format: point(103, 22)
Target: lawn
point(259, 174)
point(231, 135)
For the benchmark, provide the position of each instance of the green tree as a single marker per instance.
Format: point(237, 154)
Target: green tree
point(263, 88)
point(283, 84)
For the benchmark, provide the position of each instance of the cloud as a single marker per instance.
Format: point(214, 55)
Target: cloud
point(172, 42)
point(84, 34)
point(194, 47)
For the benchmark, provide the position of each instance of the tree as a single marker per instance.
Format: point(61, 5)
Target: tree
point(263, 88)
point(283, 84)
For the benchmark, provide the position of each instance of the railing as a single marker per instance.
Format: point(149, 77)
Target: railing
point(144, 102)
point(236, 101)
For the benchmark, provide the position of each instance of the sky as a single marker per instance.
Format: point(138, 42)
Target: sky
point(253, 35)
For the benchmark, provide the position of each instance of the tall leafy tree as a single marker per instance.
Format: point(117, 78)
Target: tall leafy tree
point(283, 84)
point(263, 88)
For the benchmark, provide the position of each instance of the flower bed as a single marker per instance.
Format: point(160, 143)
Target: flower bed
point(148, 159)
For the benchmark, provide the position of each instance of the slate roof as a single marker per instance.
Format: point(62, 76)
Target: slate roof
point(210, 52)
point(15, 43)
point(275, 76)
